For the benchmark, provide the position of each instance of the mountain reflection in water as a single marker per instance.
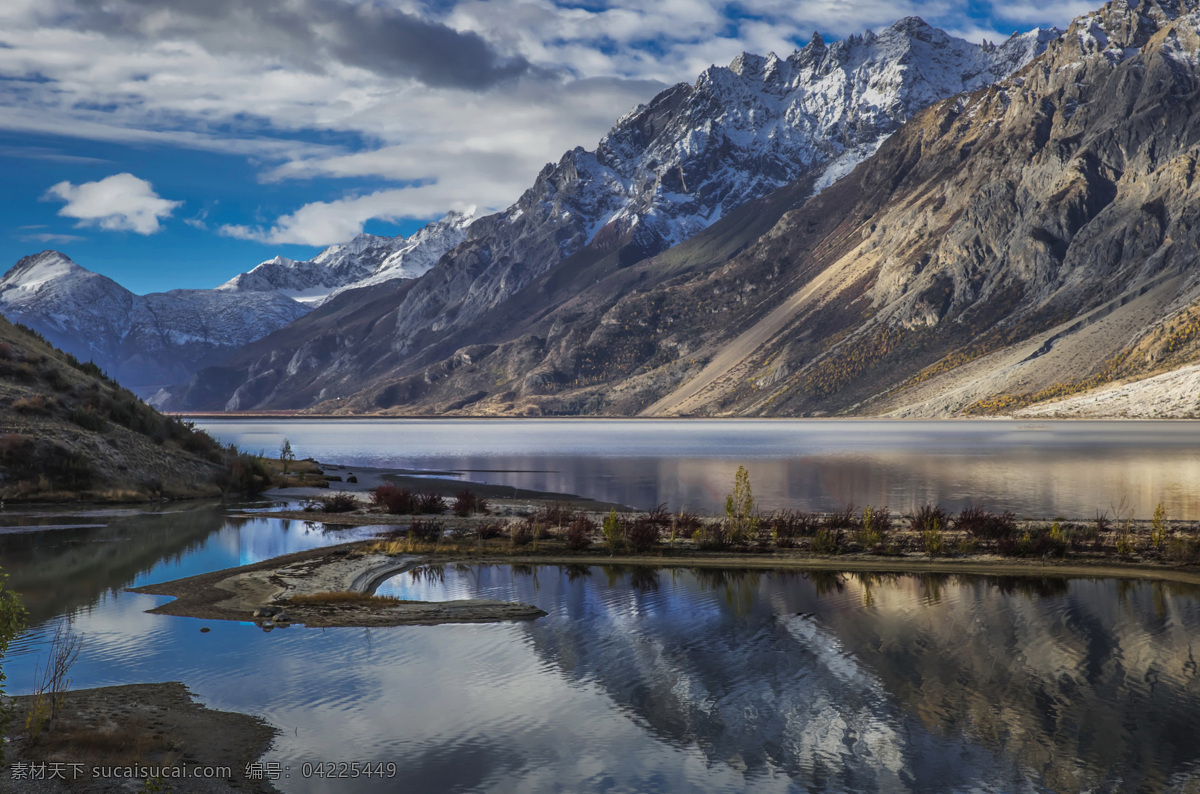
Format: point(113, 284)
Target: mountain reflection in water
point(644, 679)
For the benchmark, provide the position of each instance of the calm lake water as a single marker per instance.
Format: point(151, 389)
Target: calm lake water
point(646, 680)
point(1040, 469)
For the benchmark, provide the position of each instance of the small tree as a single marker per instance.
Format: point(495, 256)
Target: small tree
point(614, 533)
point(286, 456)
point(739, 508)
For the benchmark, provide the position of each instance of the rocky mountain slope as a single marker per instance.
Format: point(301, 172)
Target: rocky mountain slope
point(668, 170)
point(144, 341)
point(69, 433)
point(1027, 241)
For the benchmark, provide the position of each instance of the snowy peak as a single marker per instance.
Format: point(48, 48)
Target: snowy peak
point(367, 259)
point(32, 273)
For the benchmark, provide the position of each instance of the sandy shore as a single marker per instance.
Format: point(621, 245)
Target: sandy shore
point(272, 585)
point(146, 725)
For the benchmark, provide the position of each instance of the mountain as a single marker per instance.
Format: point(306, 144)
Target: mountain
point(144, 341)
point(68, 433)
point(364, 261)
point(693, 156)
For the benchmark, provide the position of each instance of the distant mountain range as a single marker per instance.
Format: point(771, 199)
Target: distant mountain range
point(898, 224)
point(150, 341)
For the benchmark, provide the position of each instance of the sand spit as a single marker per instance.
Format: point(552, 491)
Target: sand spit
point(264, 593)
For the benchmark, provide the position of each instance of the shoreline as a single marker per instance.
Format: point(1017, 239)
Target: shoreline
point(139, 725)
point(359, 567)
point(295, 589)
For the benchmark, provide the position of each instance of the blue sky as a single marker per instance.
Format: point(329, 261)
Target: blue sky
point(174, 143)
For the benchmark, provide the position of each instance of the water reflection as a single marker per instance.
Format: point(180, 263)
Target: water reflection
point(881, 682)
point(642, 679)
point(1042, 469)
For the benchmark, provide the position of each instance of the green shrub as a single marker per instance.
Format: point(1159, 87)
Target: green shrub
point(827, 540)
point(613, 531)
point(1158, 527)
point(933, 540)
point(713, 536)
point(739, 509)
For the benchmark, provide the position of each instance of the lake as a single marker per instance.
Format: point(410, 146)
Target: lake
point(649, 680)
point(1038, 469)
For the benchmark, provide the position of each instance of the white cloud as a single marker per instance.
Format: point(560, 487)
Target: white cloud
point(121, 202)
point(197, 75)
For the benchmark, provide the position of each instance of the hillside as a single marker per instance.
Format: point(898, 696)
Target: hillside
point(67, 432)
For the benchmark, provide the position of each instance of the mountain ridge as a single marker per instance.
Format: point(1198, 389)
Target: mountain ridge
point(664, 173)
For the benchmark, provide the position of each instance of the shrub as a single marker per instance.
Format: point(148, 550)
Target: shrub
point(932, 539)
point(925, 517)
point(826, 540)
point(34, 404)
point(467, 502)
point(429, 504)
point(660, 517)
point(340, 502)
point(979, 523)
point(613, 531)
point(555, 514)
point(489, 530)
point(397, 501)
point(245, 473)
point(713, 536)
point(642, 533)
point(685, 524)
point(876, 523)
point(426, 531)
point(842, 519)
point(18, 455)
point(579, 532)
point(86, 417)
point(1039, 541)
point(786, 526)
point(520, 533)
point(1185, 551)
point(1158, 527)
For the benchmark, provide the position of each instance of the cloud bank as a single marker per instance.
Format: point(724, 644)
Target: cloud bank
point(455, 102)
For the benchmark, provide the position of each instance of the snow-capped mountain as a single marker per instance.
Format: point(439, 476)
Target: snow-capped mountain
point(666, 171)
point(676, 165)
point(144, 341)
point(697, 152)
point(367, 259)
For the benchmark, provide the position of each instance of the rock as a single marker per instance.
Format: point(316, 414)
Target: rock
point(265, 612)
point(282, 617)
point(205, 629)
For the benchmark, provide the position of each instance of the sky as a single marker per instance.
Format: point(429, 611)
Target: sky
point(175, 143)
